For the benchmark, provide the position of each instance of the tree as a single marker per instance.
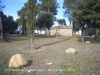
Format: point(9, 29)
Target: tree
point(1, 29)
point(85, 13)
point(94, 20)
point(45, 20)
point(68, 6)
point(8, 24)
point(22, 13)
point(49, 6)
point(62, 22)
point(22, 20)
point(31, 21)
point(91, 31)
point(19, 21)
point(81, 14)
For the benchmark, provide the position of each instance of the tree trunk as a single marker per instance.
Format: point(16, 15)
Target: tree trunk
point(57, 32)
point(96, 34)
point(72, 28)
point(82, 35)
point(45, 29)
point(48, 10)
point(47, 32)
point(1, 28)
point(23, 27)
point(31, 40)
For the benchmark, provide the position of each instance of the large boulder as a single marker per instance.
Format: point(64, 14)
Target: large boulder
point(17, 61)
point(70, 50)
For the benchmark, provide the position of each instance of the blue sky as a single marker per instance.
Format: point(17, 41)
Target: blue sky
point(12, 6)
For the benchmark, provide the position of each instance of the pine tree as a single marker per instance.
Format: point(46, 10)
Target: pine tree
point(31, 21)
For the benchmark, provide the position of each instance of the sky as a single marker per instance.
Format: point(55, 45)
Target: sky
point(12, 6)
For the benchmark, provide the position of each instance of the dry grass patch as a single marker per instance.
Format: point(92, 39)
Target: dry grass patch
point(85, 62)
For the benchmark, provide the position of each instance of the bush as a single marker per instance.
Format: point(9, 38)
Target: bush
point(91, 31)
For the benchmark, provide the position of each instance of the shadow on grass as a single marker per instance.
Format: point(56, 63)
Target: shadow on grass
point(24, 37)
point(89, 38)
point(42, 36)
point(29, 62)
point(17, 39)
point(13, 39)
point(53, 43)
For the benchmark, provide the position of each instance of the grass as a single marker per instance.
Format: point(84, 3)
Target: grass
point(49, 50)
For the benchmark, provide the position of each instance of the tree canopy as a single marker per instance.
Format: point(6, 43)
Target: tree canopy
point(1, 28)
point(62, 21)
point(83, 12)
point(22, 20)
point(8, 24)
point(49, 6)
point(45, 20)
point(31, 21)
point(41, 13)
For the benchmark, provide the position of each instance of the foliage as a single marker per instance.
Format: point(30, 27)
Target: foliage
point(47, 9)
point(76, 26)
point(84, 12)
point(45, 20)
point(31, 19)
point(67, 70)
point(43, 6)
point(31, 16)
point(1, 28)
point(49, 6)
point(91, 31)
point(67, 5)
point(9, 25)
point(19, 21)
point(62, 22)
point(22, 20)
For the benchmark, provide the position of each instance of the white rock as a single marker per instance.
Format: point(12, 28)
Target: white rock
point(17, 61)
point(29, 71)
point(48, 63)
point(93, 74)
point(70, 50)
point(87, 42)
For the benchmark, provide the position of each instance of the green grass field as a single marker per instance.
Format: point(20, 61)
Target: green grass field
point(86, 61)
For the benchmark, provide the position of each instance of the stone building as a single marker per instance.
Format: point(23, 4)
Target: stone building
point(61, 30)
